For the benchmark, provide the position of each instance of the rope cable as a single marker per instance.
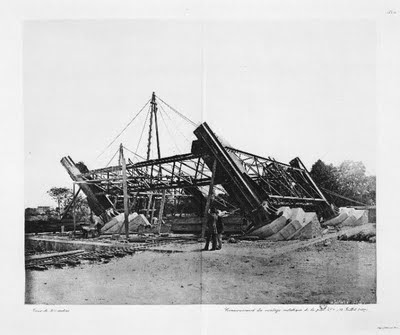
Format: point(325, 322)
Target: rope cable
point(169, 133)
point(136, 154)
point(181, 115)
point(343, 197)
point(124, 129)
point(144, 126)
point(112, 158)
point(177, 128)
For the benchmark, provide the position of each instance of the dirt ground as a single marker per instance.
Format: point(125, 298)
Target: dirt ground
point(340, 272)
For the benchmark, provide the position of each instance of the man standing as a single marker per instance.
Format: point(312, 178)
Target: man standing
point(220, 230)
point(211, 230)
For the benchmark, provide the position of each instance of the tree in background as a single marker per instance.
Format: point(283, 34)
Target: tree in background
point(326, 176)
point(348, 179)
point(63, 196)
point(60, 195)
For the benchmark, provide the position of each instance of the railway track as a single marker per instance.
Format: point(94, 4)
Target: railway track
point(42, 261)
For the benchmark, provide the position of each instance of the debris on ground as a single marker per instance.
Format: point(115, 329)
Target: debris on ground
point(249, 238)
point(39, 259)
point(366, 235)
point(361, 237)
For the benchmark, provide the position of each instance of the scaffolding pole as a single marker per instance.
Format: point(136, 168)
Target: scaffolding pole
point(125, 190)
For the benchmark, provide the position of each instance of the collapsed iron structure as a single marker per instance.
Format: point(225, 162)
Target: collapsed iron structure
point(255, 186)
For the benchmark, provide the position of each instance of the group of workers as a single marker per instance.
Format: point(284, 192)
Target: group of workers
point(215, 228)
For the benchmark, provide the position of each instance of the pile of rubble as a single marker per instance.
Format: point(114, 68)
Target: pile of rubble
point(362, 236)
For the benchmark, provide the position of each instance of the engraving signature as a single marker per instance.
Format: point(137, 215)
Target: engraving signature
point(50, 310)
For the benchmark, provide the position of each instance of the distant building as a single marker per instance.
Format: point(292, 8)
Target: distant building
point(43, 209)
point(30, 212)
point(40, 211)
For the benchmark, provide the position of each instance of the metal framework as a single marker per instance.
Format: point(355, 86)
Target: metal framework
point(256, 185)
point(283, 184)
point(183, 172)
point(180, 171)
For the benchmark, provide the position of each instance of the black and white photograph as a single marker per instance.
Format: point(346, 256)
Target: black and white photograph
point(172, 162)
point(199, 167)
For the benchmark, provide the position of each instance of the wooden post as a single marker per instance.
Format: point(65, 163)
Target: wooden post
point(153, 210)
point(70, 204)
point(150, 198)
point(73, 208)
point(210, 193)
point(161, 212)
point(154, 105)
point(125, 190)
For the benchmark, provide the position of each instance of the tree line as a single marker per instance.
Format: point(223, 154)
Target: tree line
point(349, 180)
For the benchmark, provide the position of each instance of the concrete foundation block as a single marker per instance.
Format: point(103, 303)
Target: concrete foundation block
point(357, 218)
point(296, 222)
point(276, 225)
point(311, 229)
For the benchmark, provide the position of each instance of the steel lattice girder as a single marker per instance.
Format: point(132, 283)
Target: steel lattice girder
point(181, 171)
point(255, 184)
point(188, 172)
point(278, 180)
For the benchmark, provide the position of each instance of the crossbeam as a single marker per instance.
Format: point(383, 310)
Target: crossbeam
point(255, 184)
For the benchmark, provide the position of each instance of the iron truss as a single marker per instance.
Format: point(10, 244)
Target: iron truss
point(256, 185)
point(282, 184)
point(186, 172)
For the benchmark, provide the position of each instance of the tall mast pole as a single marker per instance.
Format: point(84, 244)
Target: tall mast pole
point(122, 162)
point(162, 204)
point(153, 111)
point(153, 101)
point(154, 105)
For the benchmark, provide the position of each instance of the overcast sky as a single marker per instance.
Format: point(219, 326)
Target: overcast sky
point(275, 88)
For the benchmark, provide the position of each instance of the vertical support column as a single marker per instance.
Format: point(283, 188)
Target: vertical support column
point(174, 201)
point(150, 199)
point(210, 193)
point(154, 106)
point(153, 208)
point(73, 208)
point(125, 190)
point(161, 212)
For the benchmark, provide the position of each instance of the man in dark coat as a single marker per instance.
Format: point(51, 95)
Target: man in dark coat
point(211, 233)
